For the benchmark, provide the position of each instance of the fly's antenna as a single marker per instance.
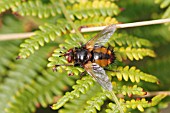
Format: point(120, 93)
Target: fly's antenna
point(62, 54)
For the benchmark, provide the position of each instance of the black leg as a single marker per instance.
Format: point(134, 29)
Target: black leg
point(55, 67)
point(82, 74)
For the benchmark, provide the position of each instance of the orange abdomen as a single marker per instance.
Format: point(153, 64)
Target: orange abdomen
point(103, 56)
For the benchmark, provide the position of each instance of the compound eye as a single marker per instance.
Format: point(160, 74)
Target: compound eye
point(70, 50)
point(69, 59)
point(69, 55)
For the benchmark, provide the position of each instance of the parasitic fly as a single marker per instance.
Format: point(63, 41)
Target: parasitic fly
point(93, 56)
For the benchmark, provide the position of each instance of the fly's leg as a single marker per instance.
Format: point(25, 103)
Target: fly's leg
point(82, 74)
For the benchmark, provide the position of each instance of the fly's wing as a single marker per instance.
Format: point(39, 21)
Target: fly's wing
point(99, 74)
point(101, 38)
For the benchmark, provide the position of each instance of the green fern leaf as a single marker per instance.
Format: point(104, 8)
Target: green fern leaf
point(140, 104)
point(155, 100)
point(5, 6)
point(127, 40)
point(81, 87)
point(92, 9)
point(79, 10)
point(47, 34)
point(128, 90)
point(7, 56)
point(96, 21)
point(71, 106)
point(33, 93)
point(132, 53)
point(28, 83)
point(37, 8)
point(95, 103)
point(135, 75)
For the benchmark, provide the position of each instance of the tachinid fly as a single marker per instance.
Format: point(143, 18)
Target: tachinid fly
point(93, 56)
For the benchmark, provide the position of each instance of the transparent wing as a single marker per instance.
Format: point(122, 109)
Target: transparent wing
point(99, 74)
point(101, 38)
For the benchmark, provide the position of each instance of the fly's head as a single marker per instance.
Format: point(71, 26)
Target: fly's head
point(69, 55)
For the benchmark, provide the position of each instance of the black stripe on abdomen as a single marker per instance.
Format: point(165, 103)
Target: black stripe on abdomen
point(100, 56)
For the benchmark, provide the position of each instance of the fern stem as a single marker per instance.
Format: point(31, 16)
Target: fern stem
point(116, 101)
point(16, 36)
point(64, 10)
point(91, 29)
point(151, 94)
point(135, 24)
point(144, 23)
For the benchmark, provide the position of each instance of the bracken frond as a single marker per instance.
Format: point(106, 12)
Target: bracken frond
point(132, 53)
point(77, 10)
point(81, 87)
point(5, 5)
point(95, 103)
point(96, 21)
point(28, 83)
point(140, 104)
point(41, 91)
point(83, 100)
point(6, 59)
point(122, 39)
point(87, 82)
point(10, 85)
point(37, 8)
point(135, 75)
point(48, 33)
point(128, 90)
point(92, 9)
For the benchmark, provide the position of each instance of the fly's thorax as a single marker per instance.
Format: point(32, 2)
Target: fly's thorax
point(81, 56)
